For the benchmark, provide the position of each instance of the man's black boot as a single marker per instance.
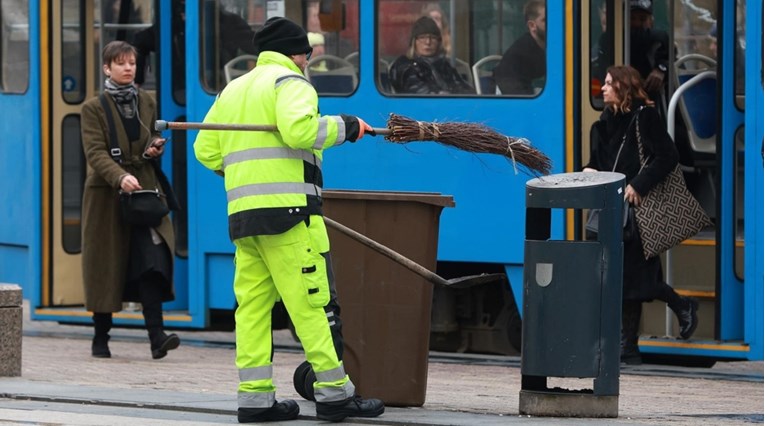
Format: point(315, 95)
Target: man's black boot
point(102, 324)
point(352, 407)
point(687, 317)
point(280, 411)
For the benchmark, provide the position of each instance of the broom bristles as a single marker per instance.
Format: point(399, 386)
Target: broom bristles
point(470, 137)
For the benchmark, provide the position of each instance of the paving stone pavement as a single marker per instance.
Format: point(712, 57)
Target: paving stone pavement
point(56, 362)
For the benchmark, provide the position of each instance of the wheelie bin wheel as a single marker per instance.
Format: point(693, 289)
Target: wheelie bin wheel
point(303, 380)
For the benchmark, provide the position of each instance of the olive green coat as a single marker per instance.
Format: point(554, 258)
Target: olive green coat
point(105, 237)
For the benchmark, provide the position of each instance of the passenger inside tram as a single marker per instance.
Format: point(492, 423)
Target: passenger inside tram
point(425, 69)
point(523, 67)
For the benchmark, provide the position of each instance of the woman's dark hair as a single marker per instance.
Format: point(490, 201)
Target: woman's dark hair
point(116, 49)
point(628, 85)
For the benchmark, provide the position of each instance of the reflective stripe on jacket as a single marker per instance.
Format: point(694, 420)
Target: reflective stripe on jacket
point(269, 174)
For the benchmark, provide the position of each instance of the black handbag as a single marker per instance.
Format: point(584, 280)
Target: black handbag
point(628, 223)
point(143, 208)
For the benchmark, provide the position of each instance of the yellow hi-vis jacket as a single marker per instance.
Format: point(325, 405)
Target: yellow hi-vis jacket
point(273, 180)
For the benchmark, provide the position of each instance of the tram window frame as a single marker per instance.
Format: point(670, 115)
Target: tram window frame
point(73, 170)
point(14, 76)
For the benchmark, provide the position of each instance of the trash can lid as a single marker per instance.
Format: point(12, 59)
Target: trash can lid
point(575, 180)
point(433, 198)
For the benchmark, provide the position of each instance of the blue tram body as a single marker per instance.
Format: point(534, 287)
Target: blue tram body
point(41, 171)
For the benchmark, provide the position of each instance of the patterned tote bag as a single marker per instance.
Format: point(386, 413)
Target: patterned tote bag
point(668, 214)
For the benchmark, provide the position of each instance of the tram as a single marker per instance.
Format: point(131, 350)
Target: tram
point(50, 65)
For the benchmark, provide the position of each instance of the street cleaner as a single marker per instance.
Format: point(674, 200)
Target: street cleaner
point(273, 184)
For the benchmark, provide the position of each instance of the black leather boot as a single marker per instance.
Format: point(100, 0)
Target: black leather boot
point(631, 312)
point(687, 317)
point(160, 342)
point(351, 407)
point(280, 411)
point(102, 324)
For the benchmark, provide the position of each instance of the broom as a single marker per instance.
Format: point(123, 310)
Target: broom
point(470, 137)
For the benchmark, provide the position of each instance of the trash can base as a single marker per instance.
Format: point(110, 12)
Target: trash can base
point(568, 404)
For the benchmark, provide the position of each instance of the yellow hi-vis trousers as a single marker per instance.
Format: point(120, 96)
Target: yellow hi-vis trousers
point(289, 266)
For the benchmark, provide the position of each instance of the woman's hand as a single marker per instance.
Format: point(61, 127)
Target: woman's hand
point(155, 149)
point(589, 169)
point(129, 184)
point(632, 196)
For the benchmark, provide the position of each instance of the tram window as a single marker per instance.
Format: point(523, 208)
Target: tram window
point(72, 180)
point(120, 20)
point(228, 29)
point(601, 48)
point(14, 46)
point(738, 211)
point(467, 53)
point(227, 32)
point(147, 45)
point(739, 53)
point(72, 47)
point(180, 217)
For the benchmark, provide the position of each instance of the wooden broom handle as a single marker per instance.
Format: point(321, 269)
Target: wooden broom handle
point(162, 125)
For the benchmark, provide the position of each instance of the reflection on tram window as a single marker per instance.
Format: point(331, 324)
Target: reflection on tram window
point(14, 39)
point(120, 20)
point(147, 46)
point(472, 38)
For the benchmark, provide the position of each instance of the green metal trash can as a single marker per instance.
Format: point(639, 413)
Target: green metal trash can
point(572, 298)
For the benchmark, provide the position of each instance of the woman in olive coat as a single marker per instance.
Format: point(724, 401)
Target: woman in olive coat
point(628, 109)
point(122, 262)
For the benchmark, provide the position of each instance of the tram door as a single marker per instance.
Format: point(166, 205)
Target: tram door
point(78, 31)
point(691, 41)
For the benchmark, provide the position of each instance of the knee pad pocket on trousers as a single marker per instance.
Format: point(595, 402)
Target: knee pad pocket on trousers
point(314, 279)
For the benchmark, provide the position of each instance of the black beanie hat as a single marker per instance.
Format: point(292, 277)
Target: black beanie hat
point(425, 25)
point(283, 36)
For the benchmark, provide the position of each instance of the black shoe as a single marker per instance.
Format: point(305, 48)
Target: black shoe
point(164, 344)
point(100, 347)
point(282, 410)
point(688, 319)
point(351, 407)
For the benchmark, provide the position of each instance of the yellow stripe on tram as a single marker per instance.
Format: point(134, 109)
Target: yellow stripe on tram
point(710, 346)
point(45, 99)
point(124, 315)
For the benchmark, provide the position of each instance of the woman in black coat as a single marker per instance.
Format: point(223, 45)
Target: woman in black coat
point(425, 68)
point(629, 110)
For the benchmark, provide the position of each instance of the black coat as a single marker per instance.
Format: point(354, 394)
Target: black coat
point(642, 278)
point(523, 67)
point(427, 75)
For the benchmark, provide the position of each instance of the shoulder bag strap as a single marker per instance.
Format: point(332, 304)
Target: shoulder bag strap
point(624, 139)
point(114, 148)
point(641, 150)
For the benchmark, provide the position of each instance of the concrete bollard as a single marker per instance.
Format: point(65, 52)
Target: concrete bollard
point(10, 330)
